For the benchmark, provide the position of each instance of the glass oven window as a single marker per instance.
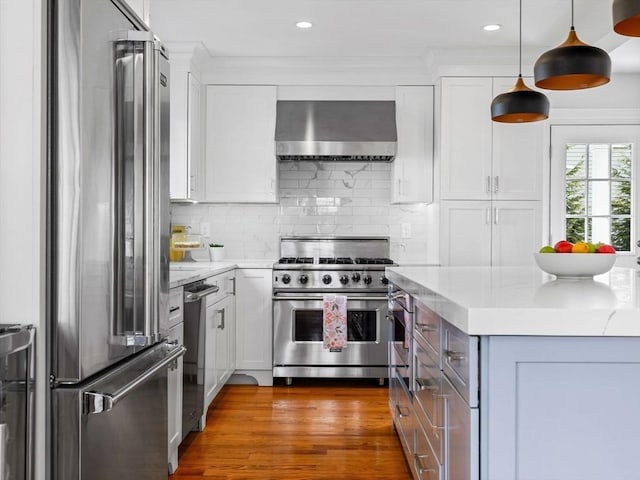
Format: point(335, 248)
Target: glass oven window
point(361, 326)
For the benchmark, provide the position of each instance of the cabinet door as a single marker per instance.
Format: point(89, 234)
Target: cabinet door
point(465, 138)
point(210, 355)
point(413, 166)
point(518, 155)
point(240, 158)
point(465, 233)
point(224, 312)
point(174, 399)
point(253, 319)
point(517, 232)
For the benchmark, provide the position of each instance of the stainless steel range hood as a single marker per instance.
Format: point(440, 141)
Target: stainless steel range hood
point(336, 130)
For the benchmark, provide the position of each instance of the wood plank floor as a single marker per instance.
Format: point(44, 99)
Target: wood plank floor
point(309, 430)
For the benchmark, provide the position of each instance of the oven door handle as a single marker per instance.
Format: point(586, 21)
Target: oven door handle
point(349, 298)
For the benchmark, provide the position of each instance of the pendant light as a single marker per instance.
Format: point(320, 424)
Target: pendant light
point(626, 17)
point(573, 65)
point(520, 104)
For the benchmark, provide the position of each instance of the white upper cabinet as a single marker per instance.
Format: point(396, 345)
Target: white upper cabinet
point(487, 233)
point(482, 159)
point(412, 174)
point(240, 162)
point(186, 142)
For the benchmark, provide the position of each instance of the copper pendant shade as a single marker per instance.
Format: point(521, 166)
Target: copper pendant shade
point(520, 104)
point(573, 65)
point(626, 17)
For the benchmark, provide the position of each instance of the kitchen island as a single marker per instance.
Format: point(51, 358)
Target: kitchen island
point(537, 378)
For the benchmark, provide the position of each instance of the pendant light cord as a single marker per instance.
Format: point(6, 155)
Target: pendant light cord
point(520, 42)
point(572, 15)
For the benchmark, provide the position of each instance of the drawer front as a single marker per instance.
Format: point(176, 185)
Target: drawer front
point(462, 437)
point(460, 361)
point(176, 308)
point(402, 414)
point(428, 399)
point(425, 464)
point(427, 328)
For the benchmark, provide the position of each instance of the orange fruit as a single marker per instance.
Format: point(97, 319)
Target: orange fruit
point(580, 247)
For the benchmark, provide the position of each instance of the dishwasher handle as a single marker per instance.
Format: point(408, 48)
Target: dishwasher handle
point(202, 291)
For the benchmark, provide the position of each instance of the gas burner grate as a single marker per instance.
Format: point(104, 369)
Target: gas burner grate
point(374, 261)
point(296, 260)
point(335, 260)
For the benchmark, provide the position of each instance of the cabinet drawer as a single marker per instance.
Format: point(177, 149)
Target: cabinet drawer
point(462, 436)
point(460, 361)
point(425, 464)
point(427, 327)
point(428, 399)
point(176, 310)
point(402, 414)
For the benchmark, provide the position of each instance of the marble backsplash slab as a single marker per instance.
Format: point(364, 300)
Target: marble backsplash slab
point(327, 198)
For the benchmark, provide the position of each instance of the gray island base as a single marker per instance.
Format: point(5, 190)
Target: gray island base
point(504, 383)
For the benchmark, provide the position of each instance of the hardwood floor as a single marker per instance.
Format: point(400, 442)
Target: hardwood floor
point(310, 430)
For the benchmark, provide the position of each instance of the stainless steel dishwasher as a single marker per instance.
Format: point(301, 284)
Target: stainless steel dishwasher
point(16, 402)
point(195, 308)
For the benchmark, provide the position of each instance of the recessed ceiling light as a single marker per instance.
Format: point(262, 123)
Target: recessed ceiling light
point(492, 27)
point(304, 24)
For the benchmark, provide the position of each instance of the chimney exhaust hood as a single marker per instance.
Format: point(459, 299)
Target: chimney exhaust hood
point(336, 130)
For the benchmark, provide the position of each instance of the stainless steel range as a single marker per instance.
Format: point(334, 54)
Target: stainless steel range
point(311, 267)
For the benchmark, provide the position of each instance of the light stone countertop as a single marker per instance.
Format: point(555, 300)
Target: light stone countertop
point(182, 273)
point(526, 301)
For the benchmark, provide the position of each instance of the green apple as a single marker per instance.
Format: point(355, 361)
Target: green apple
point(547, 249)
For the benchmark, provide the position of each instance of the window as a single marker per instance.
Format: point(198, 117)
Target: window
point(593, 191)
point(598, 193)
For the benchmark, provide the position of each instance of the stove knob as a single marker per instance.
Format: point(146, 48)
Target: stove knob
point(384, 280)
point(286, 278)
point(326, 279)
point(344, 279)
point(367, 279)
point(303, 279)
point(355, 278)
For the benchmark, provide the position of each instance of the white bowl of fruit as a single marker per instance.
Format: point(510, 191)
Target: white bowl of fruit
point(576, 260)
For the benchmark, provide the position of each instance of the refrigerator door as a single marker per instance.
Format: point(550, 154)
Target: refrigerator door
point(16, 402)
point(108, 244)
point(115, 427)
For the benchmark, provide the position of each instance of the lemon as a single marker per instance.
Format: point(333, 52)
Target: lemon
point(547, 249)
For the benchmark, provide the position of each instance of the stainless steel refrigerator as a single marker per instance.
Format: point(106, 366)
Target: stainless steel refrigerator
point(107, 247)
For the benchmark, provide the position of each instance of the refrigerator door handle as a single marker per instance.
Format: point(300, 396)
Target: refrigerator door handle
point(97, 402)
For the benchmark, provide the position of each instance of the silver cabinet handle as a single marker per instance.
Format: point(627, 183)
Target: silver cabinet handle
point(233, 291)
point(426, 328)
point(495, 215)
point(420, 468)
point(488, 185)
point(487, 218)
point(96, 402)
point(222, 319)
point(454, 356)
point(424, 384)
point(401, 414)
point(496, 184)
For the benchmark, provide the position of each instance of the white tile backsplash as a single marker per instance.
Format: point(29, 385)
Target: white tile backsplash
point(328, 198)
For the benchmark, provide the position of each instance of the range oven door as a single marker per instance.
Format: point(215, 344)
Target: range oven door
point(297, 335)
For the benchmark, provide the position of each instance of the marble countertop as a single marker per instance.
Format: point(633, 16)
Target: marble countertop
point(526, 301)
point(181, 273)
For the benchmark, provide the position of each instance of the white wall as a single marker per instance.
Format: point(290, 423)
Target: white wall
point(21, 183)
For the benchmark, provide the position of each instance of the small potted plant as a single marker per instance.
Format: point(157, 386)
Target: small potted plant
point(216, 252)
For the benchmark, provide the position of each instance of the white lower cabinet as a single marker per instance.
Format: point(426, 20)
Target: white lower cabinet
point(174, 378)
point(219, 337)
point(254, 324)
point(483, 233)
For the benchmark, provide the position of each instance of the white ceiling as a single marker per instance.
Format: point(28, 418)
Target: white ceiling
point(388, 28)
